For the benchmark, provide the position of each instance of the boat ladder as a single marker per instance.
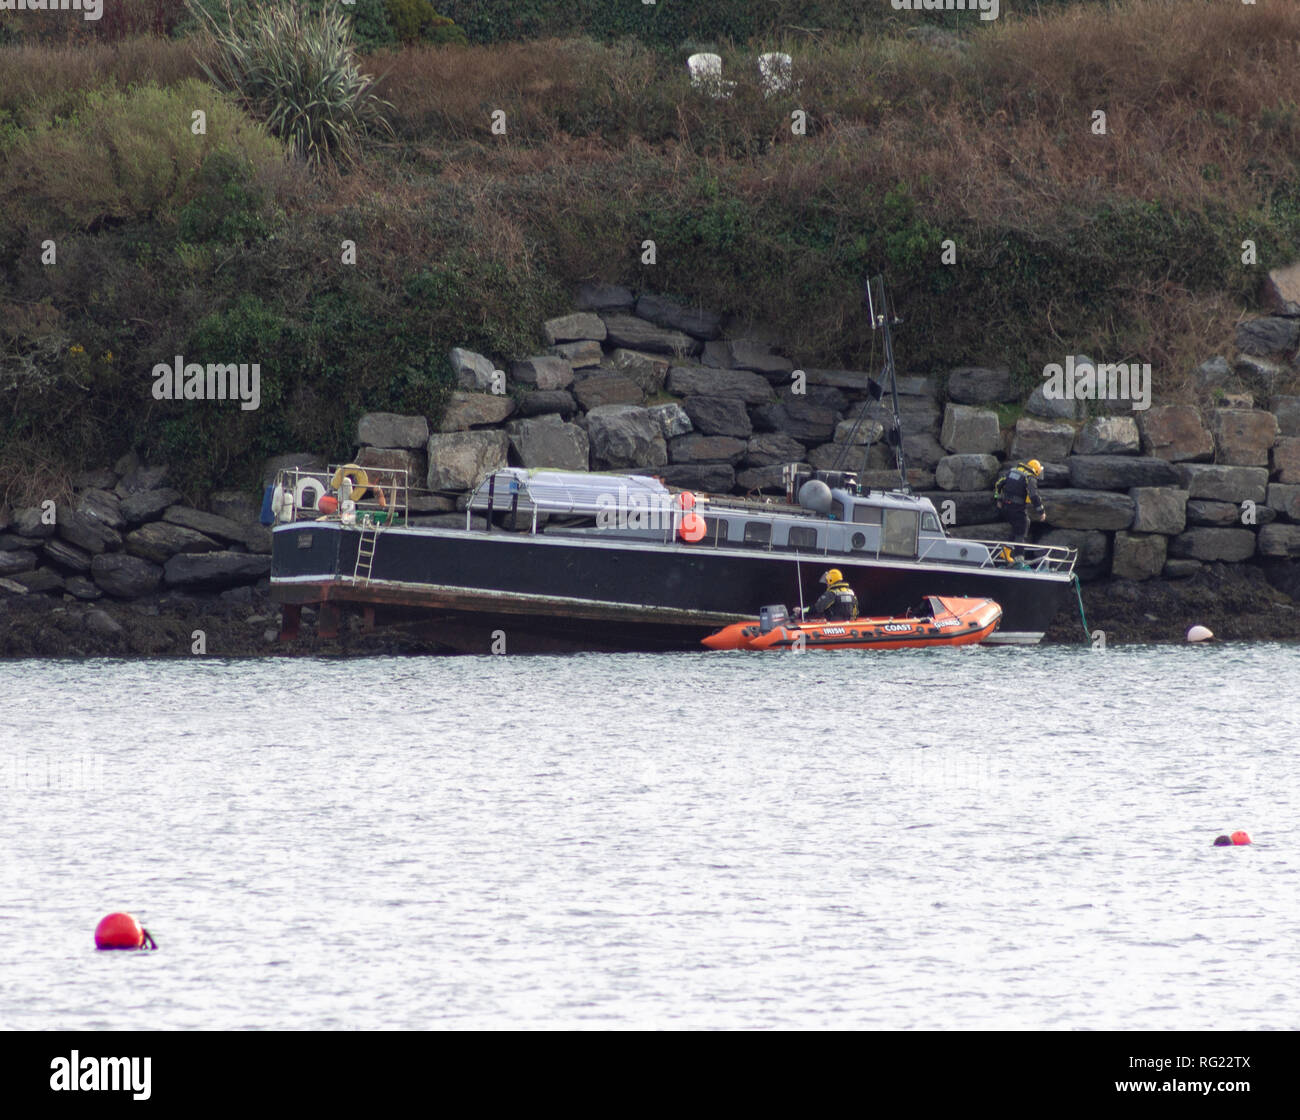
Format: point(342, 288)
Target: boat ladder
point(365, 553)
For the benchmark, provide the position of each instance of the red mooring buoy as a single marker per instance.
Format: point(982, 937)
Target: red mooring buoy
point(1240, 838)
point(122, 931)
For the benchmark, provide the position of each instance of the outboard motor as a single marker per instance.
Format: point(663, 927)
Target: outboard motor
point(771, 617)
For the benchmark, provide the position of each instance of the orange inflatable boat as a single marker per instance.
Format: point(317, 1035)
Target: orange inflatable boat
point(938, 621)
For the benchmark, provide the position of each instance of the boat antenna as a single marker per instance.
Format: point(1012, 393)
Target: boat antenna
point(883, 318)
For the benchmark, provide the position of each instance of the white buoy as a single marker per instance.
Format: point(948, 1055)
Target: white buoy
point(1199, 634)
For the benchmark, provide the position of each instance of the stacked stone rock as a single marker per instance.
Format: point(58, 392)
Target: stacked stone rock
point(646, 385)
point(126, 534)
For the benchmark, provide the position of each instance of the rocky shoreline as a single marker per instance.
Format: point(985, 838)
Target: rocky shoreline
point(1182, 513)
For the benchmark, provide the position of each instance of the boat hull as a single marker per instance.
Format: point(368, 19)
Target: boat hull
point(469, 590)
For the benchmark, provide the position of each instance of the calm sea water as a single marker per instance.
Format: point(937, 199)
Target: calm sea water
point(969, 838)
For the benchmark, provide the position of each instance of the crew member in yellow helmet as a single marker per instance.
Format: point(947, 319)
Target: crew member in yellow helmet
point(1016, 492)
point(837, 602)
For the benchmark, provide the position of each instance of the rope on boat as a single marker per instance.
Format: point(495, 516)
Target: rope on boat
point(1078, 590)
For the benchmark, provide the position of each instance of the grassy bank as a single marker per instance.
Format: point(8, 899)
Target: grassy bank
point(1126, 246)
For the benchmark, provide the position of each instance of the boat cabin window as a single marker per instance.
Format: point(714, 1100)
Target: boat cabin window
point(898, 537)
point(838, 511)
point(802, 537)
point(866, 515)
point(929, 523)
point(758, 532)
point(715, 530)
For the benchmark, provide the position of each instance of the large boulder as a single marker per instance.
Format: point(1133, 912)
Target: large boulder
point(1243, 436)
point(1088, 509)
point(607, 388)
point(394, 466)
point(1286, 460)
point(800, 418)
point(1279, 540)
point(140, 478)
point(1285, 498)
point(578, 327)
point(1159, 509)
point(604, 297)
point(774, 449)
point(388, 429)
point(550, 443)
point(1271, 336)
point(539, 402)
point(255, 538)
point(1048, 440)
point(624, 435)
point(922, 450)
point(665, 313)
point(757, 356)
point(1120, 472)
point(66, 556)
point(719, 416)
point(16, 560)
point(638, 334)
point(1138, 556)
point(86, 532)
point(472, 410)
point(103, 506)
point(712, 478)
point(980, 385)
point(966, 472)
point(649, 371)
point(696, 448)
point(970, 431)
point(150, 504)
point(917, 480)
point(473, 372)
point(1223, 484)
point(1216, 515)
point(461, 460)
point(1230, 545)
point(237, 505)
point(544, 371)
point(762, 480)
point(1175, 432)
point(958, 507)
point(688, 381)
point(1108, 435)
point(1092, 545)
point(159, 541)
point(1054, 408)
point(124, 576)
point(1281, 289)
point(211, 570)
point(1286, 410)
point(672, 419)
point(580, 355)
point(859, 432)
point(31, 521)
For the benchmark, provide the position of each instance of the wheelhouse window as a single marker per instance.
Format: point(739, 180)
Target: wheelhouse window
point(899, 535)
point(866, 515)
point(929, 523)
point(758, 532)
point(801, 536)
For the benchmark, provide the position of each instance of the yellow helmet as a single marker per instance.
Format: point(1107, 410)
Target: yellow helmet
point(833, 576)
point(1035, 466)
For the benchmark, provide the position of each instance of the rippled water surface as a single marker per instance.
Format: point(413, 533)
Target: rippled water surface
point(969, 838)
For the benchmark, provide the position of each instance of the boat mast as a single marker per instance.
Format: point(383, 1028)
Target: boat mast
point(882, 319)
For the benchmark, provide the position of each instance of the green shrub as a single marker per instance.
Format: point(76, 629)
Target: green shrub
point(369, 18)
point(416, 20)
point(297, 70)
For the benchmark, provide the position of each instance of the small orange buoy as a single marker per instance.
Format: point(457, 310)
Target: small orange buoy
point(1240, 838)
point(327, 504)
point(122, 931)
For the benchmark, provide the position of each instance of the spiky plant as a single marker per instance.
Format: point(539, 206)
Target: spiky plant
point(296, 70)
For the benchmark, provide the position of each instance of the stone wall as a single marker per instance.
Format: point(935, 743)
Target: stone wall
point(642, 384)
